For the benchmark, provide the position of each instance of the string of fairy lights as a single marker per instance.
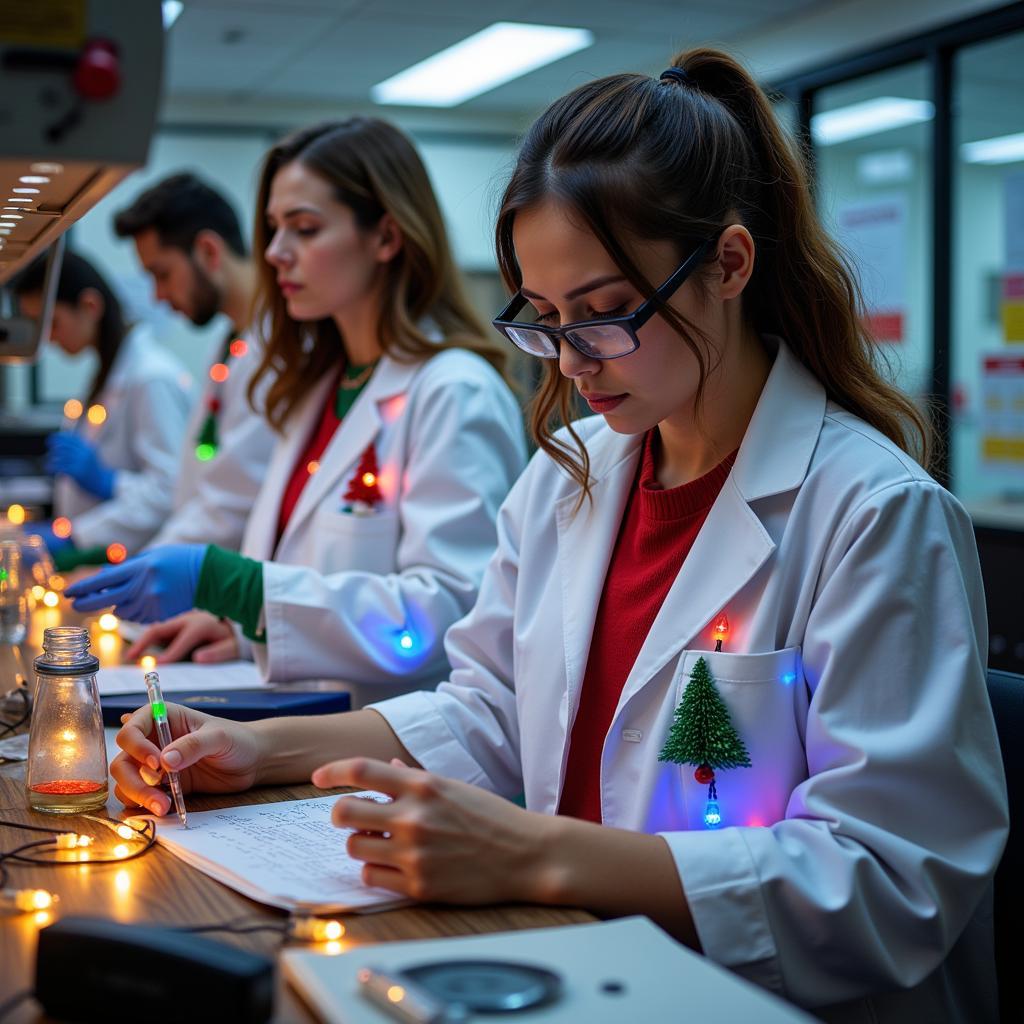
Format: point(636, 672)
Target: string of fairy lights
point(132, 838)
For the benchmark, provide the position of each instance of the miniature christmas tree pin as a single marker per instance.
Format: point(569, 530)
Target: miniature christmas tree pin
point(703, 735)
point(364, 488)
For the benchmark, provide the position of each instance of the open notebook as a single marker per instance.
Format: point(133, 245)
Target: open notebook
point(286, 855)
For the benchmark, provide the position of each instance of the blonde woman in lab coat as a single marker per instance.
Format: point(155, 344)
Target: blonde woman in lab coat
point(399, 438)
point(116, 459)
point(741, 529)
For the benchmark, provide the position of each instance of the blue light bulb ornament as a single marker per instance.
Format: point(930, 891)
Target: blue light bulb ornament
point(405, 640)
point(712, 814)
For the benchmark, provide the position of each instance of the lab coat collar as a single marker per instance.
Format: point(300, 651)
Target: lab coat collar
point(730, 548)
point(362, 423)
point(783, 432)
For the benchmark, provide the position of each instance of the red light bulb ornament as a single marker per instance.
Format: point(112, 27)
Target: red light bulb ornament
point(720, 630)
point(702, 733)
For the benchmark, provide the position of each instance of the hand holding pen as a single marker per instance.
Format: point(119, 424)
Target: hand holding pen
point(209, 754)
point(163, 735)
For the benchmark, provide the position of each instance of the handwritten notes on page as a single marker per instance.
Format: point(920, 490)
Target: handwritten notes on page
point(286, 855)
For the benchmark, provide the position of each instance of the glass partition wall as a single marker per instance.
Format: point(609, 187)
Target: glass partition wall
point(918, 152)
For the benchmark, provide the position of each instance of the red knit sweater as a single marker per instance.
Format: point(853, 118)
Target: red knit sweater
point(658, 529)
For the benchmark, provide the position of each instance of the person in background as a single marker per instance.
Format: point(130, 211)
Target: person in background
point(189, 240)
point(732, 643)
point(116, 457)
point(398, 437)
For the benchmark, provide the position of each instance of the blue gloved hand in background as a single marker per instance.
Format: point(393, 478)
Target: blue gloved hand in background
point(156, 585)
point(77, 458)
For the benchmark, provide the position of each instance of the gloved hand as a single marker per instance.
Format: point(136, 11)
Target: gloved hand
point(75, 457)
point(156, 585)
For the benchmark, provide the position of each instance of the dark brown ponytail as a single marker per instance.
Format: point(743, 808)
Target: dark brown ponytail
point(675, 159)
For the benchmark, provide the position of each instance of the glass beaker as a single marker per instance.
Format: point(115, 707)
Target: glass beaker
point(13, 607)
point(67, 752)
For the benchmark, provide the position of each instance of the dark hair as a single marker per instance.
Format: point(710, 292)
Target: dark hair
point(374, 169)
point(76, 275)
point(178, 208)
point(676, 159)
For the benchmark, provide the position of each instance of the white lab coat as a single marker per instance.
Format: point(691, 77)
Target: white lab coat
point(213, 499)
point(343, 588)
point(146, 396)
point(856, 854)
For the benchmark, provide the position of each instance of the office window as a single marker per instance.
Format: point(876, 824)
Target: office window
point(872, 139)
point(988, 297)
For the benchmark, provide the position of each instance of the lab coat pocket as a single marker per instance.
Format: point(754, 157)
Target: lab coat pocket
point(363, 543)
point(767, 702)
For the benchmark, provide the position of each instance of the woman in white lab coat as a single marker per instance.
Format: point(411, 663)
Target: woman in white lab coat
point(399, 438)
point(116, 459)
point(825, 815)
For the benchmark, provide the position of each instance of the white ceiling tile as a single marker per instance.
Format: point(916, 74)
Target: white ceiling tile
point(334, 51)
point(218, 50)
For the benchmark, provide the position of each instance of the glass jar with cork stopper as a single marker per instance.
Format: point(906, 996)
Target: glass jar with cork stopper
point(67, 754)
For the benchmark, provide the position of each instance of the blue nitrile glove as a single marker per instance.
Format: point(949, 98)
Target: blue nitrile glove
point(156, 585)
point(75, 457)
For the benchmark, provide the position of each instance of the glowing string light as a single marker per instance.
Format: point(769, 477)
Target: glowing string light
point(116, 553)
point(72, 408)
point(27, 900)
point(16, 514)
point(315, 929)
point(62, 527)
point(219, 373)
point(720, 631)
point(205, 452)
point(73, 841)
point(96, 415)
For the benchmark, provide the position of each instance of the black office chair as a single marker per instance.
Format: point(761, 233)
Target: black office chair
point(1006, 691)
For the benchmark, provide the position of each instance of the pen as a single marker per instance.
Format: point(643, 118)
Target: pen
point(403, 1000)
point(163, 735)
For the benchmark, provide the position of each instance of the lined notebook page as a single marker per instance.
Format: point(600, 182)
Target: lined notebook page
point(286, 855)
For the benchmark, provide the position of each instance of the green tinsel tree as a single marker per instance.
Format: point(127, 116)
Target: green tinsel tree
point(702, 733)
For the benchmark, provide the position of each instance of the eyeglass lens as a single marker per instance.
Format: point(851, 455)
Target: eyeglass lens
point(602, 341)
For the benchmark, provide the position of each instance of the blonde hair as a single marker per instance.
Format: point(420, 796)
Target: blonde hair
point(373, 169)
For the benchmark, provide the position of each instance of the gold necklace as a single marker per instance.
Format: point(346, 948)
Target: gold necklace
point(350, 384)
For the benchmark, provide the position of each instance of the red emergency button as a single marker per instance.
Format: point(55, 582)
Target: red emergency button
point(98, 72)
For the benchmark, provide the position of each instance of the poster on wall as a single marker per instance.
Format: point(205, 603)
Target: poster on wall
point(1012, 299)
point(874, 232)
point(1002, 418)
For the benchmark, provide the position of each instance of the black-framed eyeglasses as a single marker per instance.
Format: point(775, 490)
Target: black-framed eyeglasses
point(608, 338)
